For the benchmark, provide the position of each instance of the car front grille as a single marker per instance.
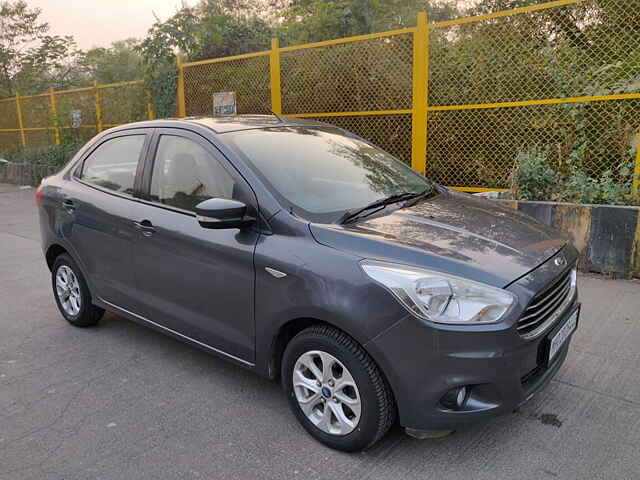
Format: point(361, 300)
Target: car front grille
point(547, 304)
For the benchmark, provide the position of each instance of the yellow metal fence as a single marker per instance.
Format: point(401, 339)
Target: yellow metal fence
point(459, 100)
point(48, 118)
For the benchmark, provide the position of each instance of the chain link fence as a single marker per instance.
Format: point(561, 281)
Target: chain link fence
point(63, 116)
point(363, 84)
point(247, 75)
point(459, 100)
point(561, 77)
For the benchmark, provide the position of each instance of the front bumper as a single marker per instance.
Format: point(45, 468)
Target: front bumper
point(500, 369)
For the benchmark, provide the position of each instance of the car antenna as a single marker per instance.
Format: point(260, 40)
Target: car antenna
point(280, 119)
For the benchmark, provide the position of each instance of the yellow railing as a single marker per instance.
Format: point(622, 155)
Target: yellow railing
point(45, 118)
point(262, 84)
point(455, 118)
point(458, 100)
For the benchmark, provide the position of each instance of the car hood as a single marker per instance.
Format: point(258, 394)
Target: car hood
point(451, 232)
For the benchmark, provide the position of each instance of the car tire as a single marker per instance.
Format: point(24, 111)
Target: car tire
point(358, 415)
point(72, 293)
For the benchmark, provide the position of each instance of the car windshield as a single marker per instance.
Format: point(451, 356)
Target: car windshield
point(321, 172)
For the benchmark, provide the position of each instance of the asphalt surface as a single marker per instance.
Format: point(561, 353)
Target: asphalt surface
point(123, 402)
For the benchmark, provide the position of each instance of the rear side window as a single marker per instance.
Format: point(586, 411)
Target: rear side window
point(114, 163)
point(185, 174)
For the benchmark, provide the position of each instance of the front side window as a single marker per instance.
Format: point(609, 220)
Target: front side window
point(114, 163)
point(185, 174)
point(321, 170)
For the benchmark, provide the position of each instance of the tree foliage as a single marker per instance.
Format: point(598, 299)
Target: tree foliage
point(317, 20)
point(121, 62)
point(30, 58)
point(212, 28)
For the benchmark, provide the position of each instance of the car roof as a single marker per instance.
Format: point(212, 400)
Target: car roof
point(226, 124)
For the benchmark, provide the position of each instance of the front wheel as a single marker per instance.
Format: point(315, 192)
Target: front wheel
point(336, 390)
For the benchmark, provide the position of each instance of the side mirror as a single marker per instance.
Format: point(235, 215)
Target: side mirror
point(221, 213)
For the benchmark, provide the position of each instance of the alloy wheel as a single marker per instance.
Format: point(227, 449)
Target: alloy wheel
point(326, 392)
point(68, 290)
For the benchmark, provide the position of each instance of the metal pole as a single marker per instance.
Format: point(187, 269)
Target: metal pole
point(420, 92)
point(274, 70)
point(150, 112)
point(23, 138)
point(98, 107)
point(182, 109)
point(54, 115)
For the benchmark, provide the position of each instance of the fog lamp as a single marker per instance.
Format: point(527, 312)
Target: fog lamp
point(455, 398)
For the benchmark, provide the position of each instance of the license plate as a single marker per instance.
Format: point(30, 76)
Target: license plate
point(560, 337)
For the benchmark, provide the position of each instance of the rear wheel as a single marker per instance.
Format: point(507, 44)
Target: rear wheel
point(72, 293)
point(336, 390)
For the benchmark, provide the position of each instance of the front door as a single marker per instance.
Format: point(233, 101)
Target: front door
point(195, 281)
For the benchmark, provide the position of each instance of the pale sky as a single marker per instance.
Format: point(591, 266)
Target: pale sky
point(95, 23)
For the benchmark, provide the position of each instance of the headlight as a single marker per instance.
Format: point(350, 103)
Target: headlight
point(439, 297)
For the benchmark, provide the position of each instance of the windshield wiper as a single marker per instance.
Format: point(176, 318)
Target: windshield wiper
point(378, 205)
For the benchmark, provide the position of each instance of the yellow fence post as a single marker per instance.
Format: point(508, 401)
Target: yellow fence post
point(274, 73)
point(98, 107)
point(420, 91)
point(182, 109)
point(636, 170)
point(54, 115)
point(23, 138)
point(150, 113)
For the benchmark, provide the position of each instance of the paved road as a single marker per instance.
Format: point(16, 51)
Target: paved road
point(124, 402)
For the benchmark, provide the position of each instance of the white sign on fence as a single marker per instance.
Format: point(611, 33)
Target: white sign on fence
point(76, 118)
point(224, 103)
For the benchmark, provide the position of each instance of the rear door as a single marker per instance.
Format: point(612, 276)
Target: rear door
point(100, 205)
point(198, 282)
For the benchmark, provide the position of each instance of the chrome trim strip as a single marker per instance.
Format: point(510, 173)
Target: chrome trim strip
point(275, 273)
point(550, 292)
point(189, 339)
point(554, 316)
point(550, 305)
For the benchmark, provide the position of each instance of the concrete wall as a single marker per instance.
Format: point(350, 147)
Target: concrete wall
point(25, 173)
point(607, 236)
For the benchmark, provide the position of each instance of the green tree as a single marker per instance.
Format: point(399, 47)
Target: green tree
point(158, 50)
point(316, 20)
point(121, 62)
point(30, 59)
point(490, 6)
point(213, 28)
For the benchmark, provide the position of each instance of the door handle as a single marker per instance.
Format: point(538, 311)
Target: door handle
point(68, 205)
point(146, 227)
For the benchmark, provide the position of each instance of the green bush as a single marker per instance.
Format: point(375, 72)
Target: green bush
point(56, 155)
point(612, 188)
point(534, 179)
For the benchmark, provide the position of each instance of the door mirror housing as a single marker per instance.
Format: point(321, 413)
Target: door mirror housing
point(219, 213)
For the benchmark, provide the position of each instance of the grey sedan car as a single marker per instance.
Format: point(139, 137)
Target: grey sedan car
point(307, 254)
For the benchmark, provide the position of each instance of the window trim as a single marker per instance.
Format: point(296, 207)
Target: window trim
point(150, 159)
point(79, 167)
